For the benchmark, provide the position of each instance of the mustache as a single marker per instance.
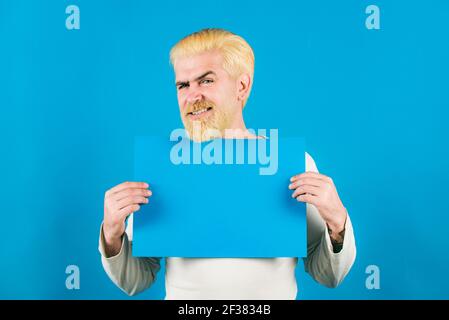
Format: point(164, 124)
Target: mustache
point(199, 105)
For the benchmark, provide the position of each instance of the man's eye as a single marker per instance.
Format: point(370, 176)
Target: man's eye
point(182, 86)
point(206, 81)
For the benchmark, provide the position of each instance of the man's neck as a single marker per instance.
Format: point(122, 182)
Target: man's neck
point(239, 133)
point(238, 130)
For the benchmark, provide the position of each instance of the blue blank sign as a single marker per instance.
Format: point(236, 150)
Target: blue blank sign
point(239, 206)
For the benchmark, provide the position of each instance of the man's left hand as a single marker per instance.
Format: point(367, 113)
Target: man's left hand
point(319, 190)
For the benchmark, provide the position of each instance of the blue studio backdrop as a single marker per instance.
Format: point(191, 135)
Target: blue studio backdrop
point(372, 104)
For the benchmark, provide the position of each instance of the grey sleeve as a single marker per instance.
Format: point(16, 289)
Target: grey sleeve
point(131, 274)
point(325, 266)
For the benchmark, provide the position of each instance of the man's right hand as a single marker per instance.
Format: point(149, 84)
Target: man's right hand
point(119, 202)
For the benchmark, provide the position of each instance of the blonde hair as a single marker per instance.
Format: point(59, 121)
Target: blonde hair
point(238, 56)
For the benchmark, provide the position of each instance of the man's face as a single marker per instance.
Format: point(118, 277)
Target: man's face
point(207, 95)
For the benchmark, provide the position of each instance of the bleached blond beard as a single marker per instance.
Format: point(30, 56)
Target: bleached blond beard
point(213, 126)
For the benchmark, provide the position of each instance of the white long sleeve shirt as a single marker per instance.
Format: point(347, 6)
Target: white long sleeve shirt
point(235, 278)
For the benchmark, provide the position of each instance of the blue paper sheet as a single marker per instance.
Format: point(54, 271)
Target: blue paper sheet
point(219, 210)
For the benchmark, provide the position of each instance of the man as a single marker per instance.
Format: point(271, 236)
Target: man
point(214, 74)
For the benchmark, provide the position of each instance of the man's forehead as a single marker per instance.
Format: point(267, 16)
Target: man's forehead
point(188, 68)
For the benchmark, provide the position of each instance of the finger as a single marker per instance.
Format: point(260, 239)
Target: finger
point(309, 174)
point(125, 185)
point(308, 198)
point(131, 192)
point(131, 200)
point(306, 189)
point(126, 211)
point(306, 181)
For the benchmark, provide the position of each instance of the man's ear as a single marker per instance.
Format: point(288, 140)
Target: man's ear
point(243, 86)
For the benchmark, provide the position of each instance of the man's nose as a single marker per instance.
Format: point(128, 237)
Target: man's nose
point(194, 96)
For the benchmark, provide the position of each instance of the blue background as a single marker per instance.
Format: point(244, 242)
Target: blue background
point(372, 105)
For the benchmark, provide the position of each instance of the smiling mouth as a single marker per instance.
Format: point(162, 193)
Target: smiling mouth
point(199, 112)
